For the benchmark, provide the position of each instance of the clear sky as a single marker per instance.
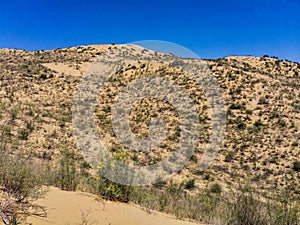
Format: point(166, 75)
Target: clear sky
point(211, 28)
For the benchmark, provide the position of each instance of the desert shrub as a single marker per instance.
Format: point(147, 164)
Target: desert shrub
point(296, 166)
point(236, 106)
point(67, 178)
point(282, 123)
point(229, 156)
point(174, 200)
point(284, 210)
point(248, 207)
point(23, 133)
point(244, 208)
point(258, 123)
point(19, 186)
point(160, 184)
point(249, 112)
point(113, 191)
point(29, 125)
point(216, 188)
point(43, 76)
point(190, 184)
point(245, 205)
point(241, 126)
point(14, 112)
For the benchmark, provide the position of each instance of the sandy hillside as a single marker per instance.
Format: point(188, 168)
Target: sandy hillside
point(77, 208)
point(260, 147)
point(262, 98)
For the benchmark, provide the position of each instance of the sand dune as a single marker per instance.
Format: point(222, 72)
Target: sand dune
point(73, 208)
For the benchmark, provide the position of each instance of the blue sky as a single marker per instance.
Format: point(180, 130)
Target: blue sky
point(211, 29)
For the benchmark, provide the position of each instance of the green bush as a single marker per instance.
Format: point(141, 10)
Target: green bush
point(296, 166)
point(113, 191)
point(67, 178)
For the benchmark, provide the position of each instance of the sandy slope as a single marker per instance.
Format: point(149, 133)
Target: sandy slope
point(74, 207)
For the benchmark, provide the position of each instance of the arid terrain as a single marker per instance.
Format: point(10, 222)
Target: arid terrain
point(260, 148)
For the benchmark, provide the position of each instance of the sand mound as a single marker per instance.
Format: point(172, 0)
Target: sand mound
point(80, 208)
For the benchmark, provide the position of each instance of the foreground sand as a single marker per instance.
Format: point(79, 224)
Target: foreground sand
point(73, 208)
